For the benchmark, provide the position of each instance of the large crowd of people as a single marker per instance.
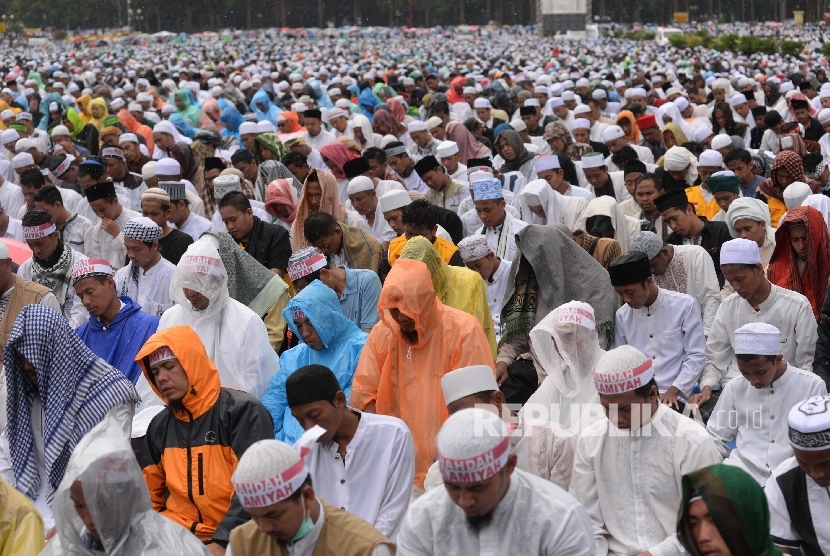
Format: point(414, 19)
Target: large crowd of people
point(524, 296)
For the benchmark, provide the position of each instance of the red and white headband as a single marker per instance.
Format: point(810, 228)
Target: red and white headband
point(91, 267)
point(625, 381)
point(477, 468)
point(162, 354)
point(307, 266)
point(569, 314)
point(37, 232)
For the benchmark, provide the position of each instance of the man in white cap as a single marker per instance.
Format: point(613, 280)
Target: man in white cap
point(710, 162)
point(602, 181)
point(682, 268)
point(424, 144)
point(664, 324)
point(797, 490)
point(364, 200)
point(478, 256)
point(755, 299)
point(447, 155)
point(392, 204)
point(499, 225)
point(364, 462)
point(399, 160)
point(339, 120)
point(749, 410)
point(247, 134)
point(549, 169)
point(749, 218)
point(443, 191)
point(488, 504)
point(146, 279)
point(639, 444)
point(274, 486)
point(614, 139)
point(484, 112)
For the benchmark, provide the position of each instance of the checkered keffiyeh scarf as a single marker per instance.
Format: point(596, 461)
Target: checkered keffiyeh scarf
point(76, 389)
point(56, 277)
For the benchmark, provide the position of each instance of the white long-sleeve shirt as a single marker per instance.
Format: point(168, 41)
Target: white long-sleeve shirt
point(152, 292)
point(11, 197)
point(781, 522)
point(99, 244)
point(670, 332)
point(631, 483)
point(375, 480)
point(692, 271)
point(196, 225)
point(756, 418)
point(788, 311)
point(534, 517)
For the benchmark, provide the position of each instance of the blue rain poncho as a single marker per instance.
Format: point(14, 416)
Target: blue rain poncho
point(342, 340)
point(270, 111)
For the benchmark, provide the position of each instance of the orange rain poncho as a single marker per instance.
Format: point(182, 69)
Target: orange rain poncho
point(403, 379)
point(134, 126)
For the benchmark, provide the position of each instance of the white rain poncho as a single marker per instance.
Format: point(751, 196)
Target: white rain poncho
point(624, 226)
point(118, 501)
point(235, 337)
point(566, 353)
point(559, 209)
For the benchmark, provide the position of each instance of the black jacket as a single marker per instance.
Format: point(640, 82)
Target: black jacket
point(821, 360)
point(713, 235)
point(269, 244)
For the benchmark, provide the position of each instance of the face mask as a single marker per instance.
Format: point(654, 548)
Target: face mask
point(305, 528)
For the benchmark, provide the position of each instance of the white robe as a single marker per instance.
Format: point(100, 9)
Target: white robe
point(11, 197)
point(494, 234)
point(460, 175)
point(375, 481)
point(153, 290)
point(671, 333)
point(757, 419)
point(631, 483)
point(535, 517)
point(14, 229)
point(124, 416)
point(99, 244)
point(196, 225)
point(320, 140)
point(692, 271)
point(789, 311)
point(440, 199)
point(780, 526)
point(235, 339)
point(380, 230)
point(495, 293)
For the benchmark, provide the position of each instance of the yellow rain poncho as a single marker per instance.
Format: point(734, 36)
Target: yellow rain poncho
point(456, 287)
point(21, 527)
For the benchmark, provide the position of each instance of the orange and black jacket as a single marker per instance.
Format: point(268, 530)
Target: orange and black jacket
point(190, 453)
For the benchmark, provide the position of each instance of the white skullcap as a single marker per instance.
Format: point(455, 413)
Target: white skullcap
point(682, 103)
point(473, 446)
point(481, 103)
point(580, 123)
point(582, 82)
point(6, 114)
point(720, 141)
point(148, 170)
point(582, 109)
point(795, 193)
point(672, 91)
point(568, 96)
point(247, 128)
point(386, 139)
point(469, 91)
point(639, 92)
point(22, 160)
point(711, 158)
point(738, 99)
point(472, 248)
point(465, 381)
point(556, 102)
point(394, 199)
point(620, 84)
point(622, 369)
point(265, 127)
point(543, 163)
point(168, 167)
point(434, 122)
point(518, 125)
point(541, 89)
point(612, 132)
point(740, 251)
point(24, 116)
point(446, 148)
point(298, 107)
point(168, 109)
point(134, 107)
point(25, 144)
point(360, 183)
point(480, 175)
point(416, 125)
point(216, 91)
point(574, 312)
point(124, 138)
point(4, 251)
point(786, 87)
point(337, 113)
point(646, 242)
point(824, 115)
point(810, 424)
point(532, 102)
point(599, 94)
point(593, 160)
point(702, 133)
point(57, 131)
point(117, 104)
point(756, 338)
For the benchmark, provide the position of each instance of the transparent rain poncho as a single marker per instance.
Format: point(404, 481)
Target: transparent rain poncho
point(117, 498)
